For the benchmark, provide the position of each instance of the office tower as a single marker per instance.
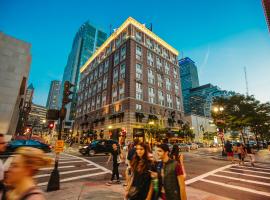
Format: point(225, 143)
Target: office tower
point(87, 40)
point(53, 96)
point(130, 82)
point(189, 79)
point(266, 7)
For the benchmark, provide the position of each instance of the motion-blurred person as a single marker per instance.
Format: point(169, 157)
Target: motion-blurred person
point(140, 187)
point(175, 153)
point(20, 177)
point(250, 154)
point(229, 151)
point(172, 180)
point(2, 149)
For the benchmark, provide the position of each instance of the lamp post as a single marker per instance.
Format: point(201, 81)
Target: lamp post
point(151, 123)
point(220, 109)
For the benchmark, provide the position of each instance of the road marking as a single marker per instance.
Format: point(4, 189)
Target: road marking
point(76, 161)
point(267, 166)
point(75, 178)
point(90, 162)
point(237, 187)
point(67, 172)
point(246, 174)
point(241, 179)
point(235, 168)
point(266, 169)
point(61, 167)
point(188, 182)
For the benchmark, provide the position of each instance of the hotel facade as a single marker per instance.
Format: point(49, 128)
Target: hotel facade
point(131, 80)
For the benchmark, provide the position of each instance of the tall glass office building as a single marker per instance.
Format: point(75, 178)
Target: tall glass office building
point(87, 40)
point(189, 79)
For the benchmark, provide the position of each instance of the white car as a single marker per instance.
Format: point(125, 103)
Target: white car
point(193, 146)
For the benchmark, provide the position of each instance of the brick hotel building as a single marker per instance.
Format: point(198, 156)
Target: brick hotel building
point(132, 79)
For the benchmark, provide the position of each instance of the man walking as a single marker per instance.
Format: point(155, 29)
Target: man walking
point(116, 157)
point(171, 177)
point(229, 151)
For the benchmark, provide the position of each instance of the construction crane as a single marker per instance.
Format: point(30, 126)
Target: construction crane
point(246, 80)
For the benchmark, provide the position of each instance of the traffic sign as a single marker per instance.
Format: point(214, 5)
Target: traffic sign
point(59, 146)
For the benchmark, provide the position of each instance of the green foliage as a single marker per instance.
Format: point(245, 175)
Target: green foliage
point(241, 111)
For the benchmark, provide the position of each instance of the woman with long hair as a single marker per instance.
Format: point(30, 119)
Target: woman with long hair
point(20, 176)
point(140, 187)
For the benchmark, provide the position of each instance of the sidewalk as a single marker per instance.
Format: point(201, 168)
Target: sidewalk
point(99, 191)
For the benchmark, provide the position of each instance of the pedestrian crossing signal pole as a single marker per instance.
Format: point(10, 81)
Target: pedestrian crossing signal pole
point(54, 181)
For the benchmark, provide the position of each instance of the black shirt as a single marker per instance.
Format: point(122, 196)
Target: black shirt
point(115, 154)
point(228, 147)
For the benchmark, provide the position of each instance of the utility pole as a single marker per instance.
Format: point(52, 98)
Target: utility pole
point(246, 80)
point(54, 181)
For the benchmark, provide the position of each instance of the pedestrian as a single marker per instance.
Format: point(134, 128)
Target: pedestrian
point(2, 149)
point(140, 186)
point(130, 155)
point(116, 157)
point(20, 176)
point(171, 177)
point(243, 153)
point(229, 151)
point(175, 153)
point(250, 154)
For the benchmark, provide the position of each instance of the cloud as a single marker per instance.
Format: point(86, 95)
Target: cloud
point(205, 60)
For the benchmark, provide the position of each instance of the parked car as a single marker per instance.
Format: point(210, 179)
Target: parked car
point(200, 144)
point(14, 144)
point(98, 146)
point(183, 147)
point(192, 146)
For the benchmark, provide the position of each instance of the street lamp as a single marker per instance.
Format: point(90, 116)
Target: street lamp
point(151, 123)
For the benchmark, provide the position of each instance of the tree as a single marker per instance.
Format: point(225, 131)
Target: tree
point(154, 130)
point(187, 133)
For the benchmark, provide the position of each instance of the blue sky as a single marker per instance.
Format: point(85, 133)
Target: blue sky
point(221, 36)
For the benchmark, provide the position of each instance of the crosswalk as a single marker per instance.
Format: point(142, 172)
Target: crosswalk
point(236, 182)
point(205, 154)
point(71, 168)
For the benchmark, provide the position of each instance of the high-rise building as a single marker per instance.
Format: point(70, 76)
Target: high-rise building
point(266, 6)
point(15, 62)
point(37, 118)
point(189, 79)
point(53, 96)
point(131, 80)
point(201, 98)
point(85, 43)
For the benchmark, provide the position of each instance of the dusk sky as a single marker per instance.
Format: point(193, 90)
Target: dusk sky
point(221, 36)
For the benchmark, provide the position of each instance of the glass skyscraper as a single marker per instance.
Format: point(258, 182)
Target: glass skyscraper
point(87, 40)
point(189, 79)
point(53, 96)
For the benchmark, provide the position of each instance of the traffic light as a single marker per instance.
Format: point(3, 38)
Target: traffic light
point(66, 93)
point(51, 125)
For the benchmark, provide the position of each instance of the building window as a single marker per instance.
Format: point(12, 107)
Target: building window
point(138, 71)
point(105, 79)
point(98, 101)
point(100, 70)
point(151, 95)
point(151, 78)
point(117, 42)
point(161, 98)
point(168, 84)
point(99, 85)
point(167, 68)
point(106, 66)
point(95, 74)
point(149, 43)
point(138, 52)
point(138, 36)
point(122, 70)
point(150, 58)
point(176, 87)
point(115, 75)
point(139, 93)
point(175, 74)
point(160, 81)
point(104, 98)
point(169, 101)
point(114, 94)
point(122, 91)
point(93, 106)
point(123, 53)
point(178, 103)
point(138, 107)
point(116, 58)
point(159, 62)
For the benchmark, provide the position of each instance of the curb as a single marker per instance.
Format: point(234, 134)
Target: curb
point(219, 158)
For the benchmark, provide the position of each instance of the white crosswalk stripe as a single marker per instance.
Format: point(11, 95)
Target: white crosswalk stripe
point(251, 182)
point(71, 168)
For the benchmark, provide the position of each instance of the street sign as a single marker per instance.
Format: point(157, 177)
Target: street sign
point(59, 146)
